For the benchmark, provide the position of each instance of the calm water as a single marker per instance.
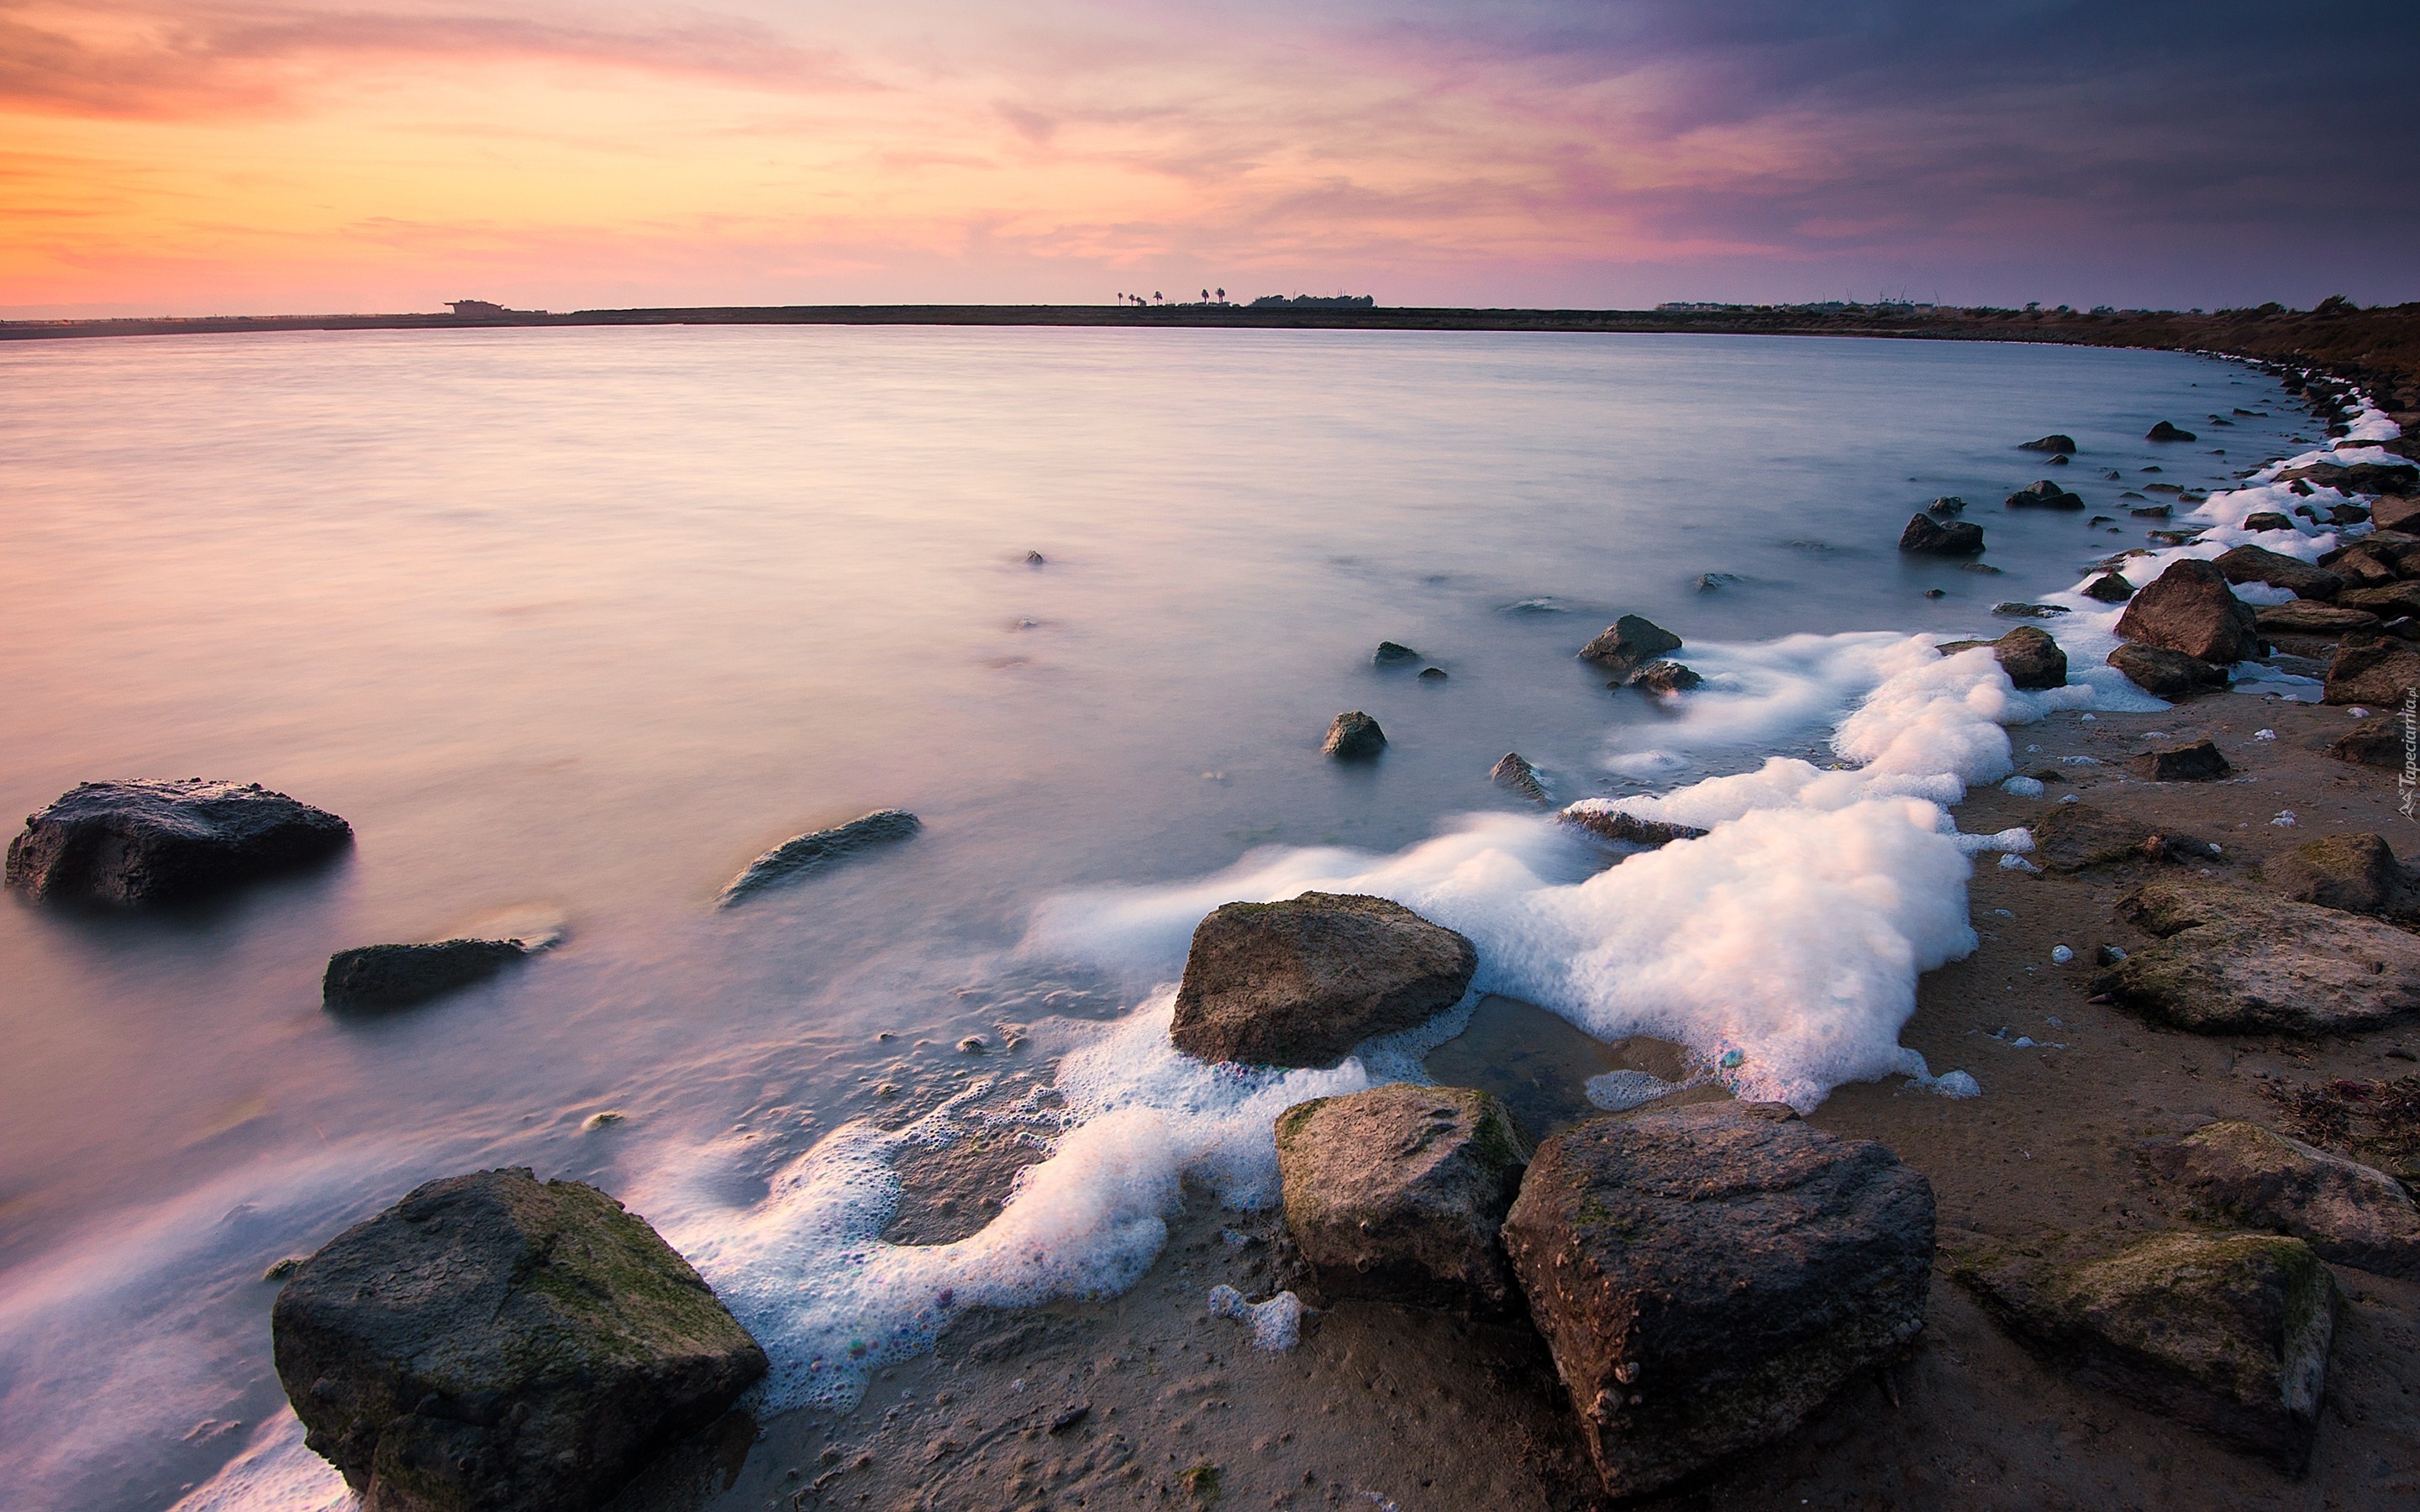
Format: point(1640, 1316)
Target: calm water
point(578, 622)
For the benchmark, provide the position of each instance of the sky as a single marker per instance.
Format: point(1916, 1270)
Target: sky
point(198, 157)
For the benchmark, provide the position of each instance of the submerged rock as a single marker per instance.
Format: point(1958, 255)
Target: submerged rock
point(142, 842)
point(2229, 960)
point(2109, 588)
point(2229, 1333)
point(795, 858)
point(2357, 873)
point(1707, 1276)
point(2163, 431)
point(1397, 1193)
point(1512, 770)
point(2044, 494)
point(2190, 608)
point(2381, 673)
point(2198, 761)
point(1947, 505)
point(1599, 818)
point(1663, 677)
point(1924, 536)
point(2053, 442)
point(1353, 736)
point(2166, 673)
point(399, 975)
point(2259, 564)
point(1391, 655)
point(491, 1342)
point(1433, 674)
point(1302, 982)
point(1628, 643)
point(2030, 657)
point(2248, 1177)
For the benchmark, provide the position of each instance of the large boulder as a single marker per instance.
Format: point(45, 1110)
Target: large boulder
point(2226, 960)
point(1629, 643)
point(2044, 494)
point(156, 841)
point(2229, 1333)
point(795, 858)
point(1707, 1276)
point(1302, 982)
point(499, 1344)
point(399, 975)
point(2381, 674)
point(2189, 608)
point(2248, 1177)
point(1926, 536)
point(1397, 1193)
point(1353, 736)
point(2355, 872)
point(2259, 564)
point(2164, 674)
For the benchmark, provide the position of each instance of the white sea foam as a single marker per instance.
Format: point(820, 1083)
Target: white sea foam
point(275, 1472)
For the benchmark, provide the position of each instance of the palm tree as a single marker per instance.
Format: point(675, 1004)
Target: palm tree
point(1222, 296)
point(1157, 296)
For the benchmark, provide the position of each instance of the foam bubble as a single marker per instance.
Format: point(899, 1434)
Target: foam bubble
point(1277, 1323)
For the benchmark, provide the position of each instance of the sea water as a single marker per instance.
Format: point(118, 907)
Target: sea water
point(572, 624)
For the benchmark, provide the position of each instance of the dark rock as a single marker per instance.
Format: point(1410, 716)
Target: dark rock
point(1707, 582)
point(1947, 505)
point(2189, 608)
point(1983, 567)
point(2395, 513)
point(2304, 616)
point(1512, 770)
point(2166, 673)
point(1353, 736)
point(2266, 520)
point(2197, 762)
point(2016, 609)
point(2053, 442)
point(2247, 1177)
point(2381, 674)
point(2229, 961)
point(2172, 537)
point(2398, 478)
point(2030, 657)
point(2166, 432)
point(2363, 566)
point(1663, 677)
point(797, 857)
point(399, 975)
point(155, 841)
point(1302, 982)
point(2356, 872)
point(2380, 740)
point(1036, 559)
point(1936, 593)
point(1391, 655)
point(493, 1343)
point(1599, 818)
point(1433, 674)
point(2044, 494)
point(1926, 536)
point(2259, 564)
point(1397, 1193)
point(2227, 1332)
point(1707, 1276)
point(1070, 1416)
point(2151, 512)
point(2073, 836)
point(2387, 600)
point(1628, 643)
point(2109, 588)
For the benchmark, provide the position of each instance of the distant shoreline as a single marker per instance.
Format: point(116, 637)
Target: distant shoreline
point(2378, 348)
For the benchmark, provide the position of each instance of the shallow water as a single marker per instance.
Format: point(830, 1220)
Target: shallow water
point(581, 622)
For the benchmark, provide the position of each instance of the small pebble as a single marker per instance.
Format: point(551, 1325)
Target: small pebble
point(2060, 955)
point(2285, 819)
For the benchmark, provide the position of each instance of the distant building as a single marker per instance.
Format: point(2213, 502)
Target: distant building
point(1331, 302)
point(476, 308)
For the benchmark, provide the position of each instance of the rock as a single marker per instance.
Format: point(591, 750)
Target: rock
point(2267, 519)
point(2151, 512)
point(2019, 610)
point(1433, 674)
point(2072, 837)
point(2109, 588)
point(2166, 673)
point(1302, 982)
point(493, 1343)
point(1665, 677)
point(2230, 960)
point(1601, 819)
point(1629, 643)
point(2247, 1177)
point(1397, 1193)
point(2189, 608)
point(2030, 657)
point(1708, 1276)
point(2377, 741)
point(2166, 432)
point(1353, 736)
point(1036, 559)
point(2392, 601)
point(2303, 617)
point(2400, 478)
point(1391, 655)
point(2053, 442)
point(2357, 873)
point(797, 857)
point(140, 842)
point(2197, 762)
point(1512, 770)
point(1927, 538)
point(2044, 494)
point(2227, 1332)
point(2380, 674)
point(399, 975)
point(1947, 505)
point(2393, 513)
point(2363, 566)
point(2259, 564)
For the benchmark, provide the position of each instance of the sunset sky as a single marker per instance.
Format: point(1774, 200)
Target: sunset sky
point(218, 156)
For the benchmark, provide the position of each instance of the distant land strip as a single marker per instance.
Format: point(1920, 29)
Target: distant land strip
point(2379, 348)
